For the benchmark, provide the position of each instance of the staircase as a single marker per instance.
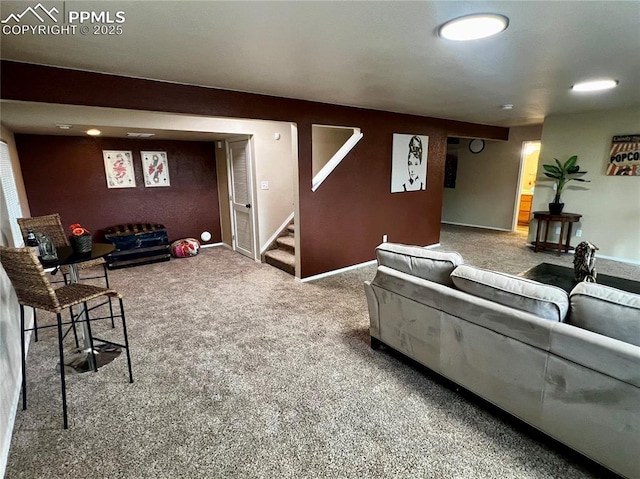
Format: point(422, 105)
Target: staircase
point(283, 256)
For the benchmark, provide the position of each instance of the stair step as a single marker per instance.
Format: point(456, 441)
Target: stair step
point(287, 243)
point(291, 229)
point(281, 260)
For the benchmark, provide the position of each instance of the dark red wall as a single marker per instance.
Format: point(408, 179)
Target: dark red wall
point(66, 175)
point(342, 222)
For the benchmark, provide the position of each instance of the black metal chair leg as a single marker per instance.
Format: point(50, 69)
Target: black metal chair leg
point(126, 340)
point(92, 349)
point(106, 280)
point(35, 325)
point(73, 325)
point(62, 381)
point(23, 362)
point(113, 324)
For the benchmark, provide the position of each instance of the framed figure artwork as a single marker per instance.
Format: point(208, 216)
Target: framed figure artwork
point(118, 168)
point(155, 167)
point(409, 163)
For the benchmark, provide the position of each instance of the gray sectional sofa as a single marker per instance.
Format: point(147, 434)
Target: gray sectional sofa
point(567, 364)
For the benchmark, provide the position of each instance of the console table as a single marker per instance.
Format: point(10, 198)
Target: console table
point(565, 219)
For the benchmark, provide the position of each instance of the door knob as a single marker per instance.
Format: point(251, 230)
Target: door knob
point(248, 205)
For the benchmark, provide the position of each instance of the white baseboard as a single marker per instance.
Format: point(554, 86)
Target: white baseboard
point(211, 245)
point(611, 258)
point(337, 271)
point(476, 226)
point(615, 258)
point(349, 268)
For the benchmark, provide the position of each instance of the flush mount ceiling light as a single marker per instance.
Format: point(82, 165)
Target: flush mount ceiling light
point(595, 85)
point(93, 132)
point(474, 27)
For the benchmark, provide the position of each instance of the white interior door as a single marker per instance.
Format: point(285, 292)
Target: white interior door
point(241, 197)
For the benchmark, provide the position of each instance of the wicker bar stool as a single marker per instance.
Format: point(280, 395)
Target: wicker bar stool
point(33, 289)
point(51, 225)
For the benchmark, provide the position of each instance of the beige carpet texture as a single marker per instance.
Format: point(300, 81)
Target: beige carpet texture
point(241, 371)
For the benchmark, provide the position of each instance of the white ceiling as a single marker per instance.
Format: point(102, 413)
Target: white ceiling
point(381, 55)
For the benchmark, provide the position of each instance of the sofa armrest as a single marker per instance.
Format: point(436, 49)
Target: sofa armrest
point(374, 313)
point(606, 355)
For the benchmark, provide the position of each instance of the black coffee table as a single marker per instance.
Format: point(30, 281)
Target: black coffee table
point(563, 277)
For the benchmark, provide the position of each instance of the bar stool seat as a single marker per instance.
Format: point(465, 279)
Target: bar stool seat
point(33, 289)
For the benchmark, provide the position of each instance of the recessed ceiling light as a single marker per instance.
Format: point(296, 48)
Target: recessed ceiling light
point(507, 106)
point(93, 132)
point(474, 27)
point(595, 85)
point(64, 127)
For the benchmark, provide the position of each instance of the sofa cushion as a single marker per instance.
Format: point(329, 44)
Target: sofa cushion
point(607, 311)
point(424, 263)
point(545, 301)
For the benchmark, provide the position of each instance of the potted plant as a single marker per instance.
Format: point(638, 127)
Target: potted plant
point(563, 174)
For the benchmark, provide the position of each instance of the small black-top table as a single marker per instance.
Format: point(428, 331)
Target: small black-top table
point(548, 218)
point(66, 256)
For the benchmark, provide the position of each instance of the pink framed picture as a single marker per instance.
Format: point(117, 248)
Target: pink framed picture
point(155, 166)
point(118, 168)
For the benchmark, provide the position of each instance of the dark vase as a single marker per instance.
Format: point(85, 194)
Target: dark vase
point(81, 244)
point(556, 208)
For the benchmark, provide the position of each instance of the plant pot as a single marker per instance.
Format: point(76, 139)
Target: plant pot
point(556, 208)
point(81, 244)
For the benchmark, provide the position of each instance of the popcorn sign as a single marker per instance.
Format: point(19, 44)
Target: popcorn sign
point(624, 157)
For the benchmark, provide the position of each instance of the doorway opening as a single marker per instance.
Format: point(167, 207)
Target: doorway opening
point(526, 185)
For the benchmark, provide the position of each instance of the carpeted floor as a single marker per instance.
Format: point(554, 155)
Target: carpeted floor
point(242, 372)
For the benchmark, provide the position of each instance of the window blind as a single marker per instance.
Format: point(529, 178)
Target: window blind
point(10, 195)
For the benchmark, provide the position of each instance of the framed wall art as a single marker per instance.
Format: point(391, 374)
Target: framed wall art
point(118, 168)
point(409, 163)
point(155, 166)
point(624, 156)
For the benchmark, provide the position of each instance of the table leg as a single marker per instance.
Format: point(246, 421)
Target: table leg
point(560, 240)
point(82, 316)
point(546, 232)
point(538, 231)
point(568, 244)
